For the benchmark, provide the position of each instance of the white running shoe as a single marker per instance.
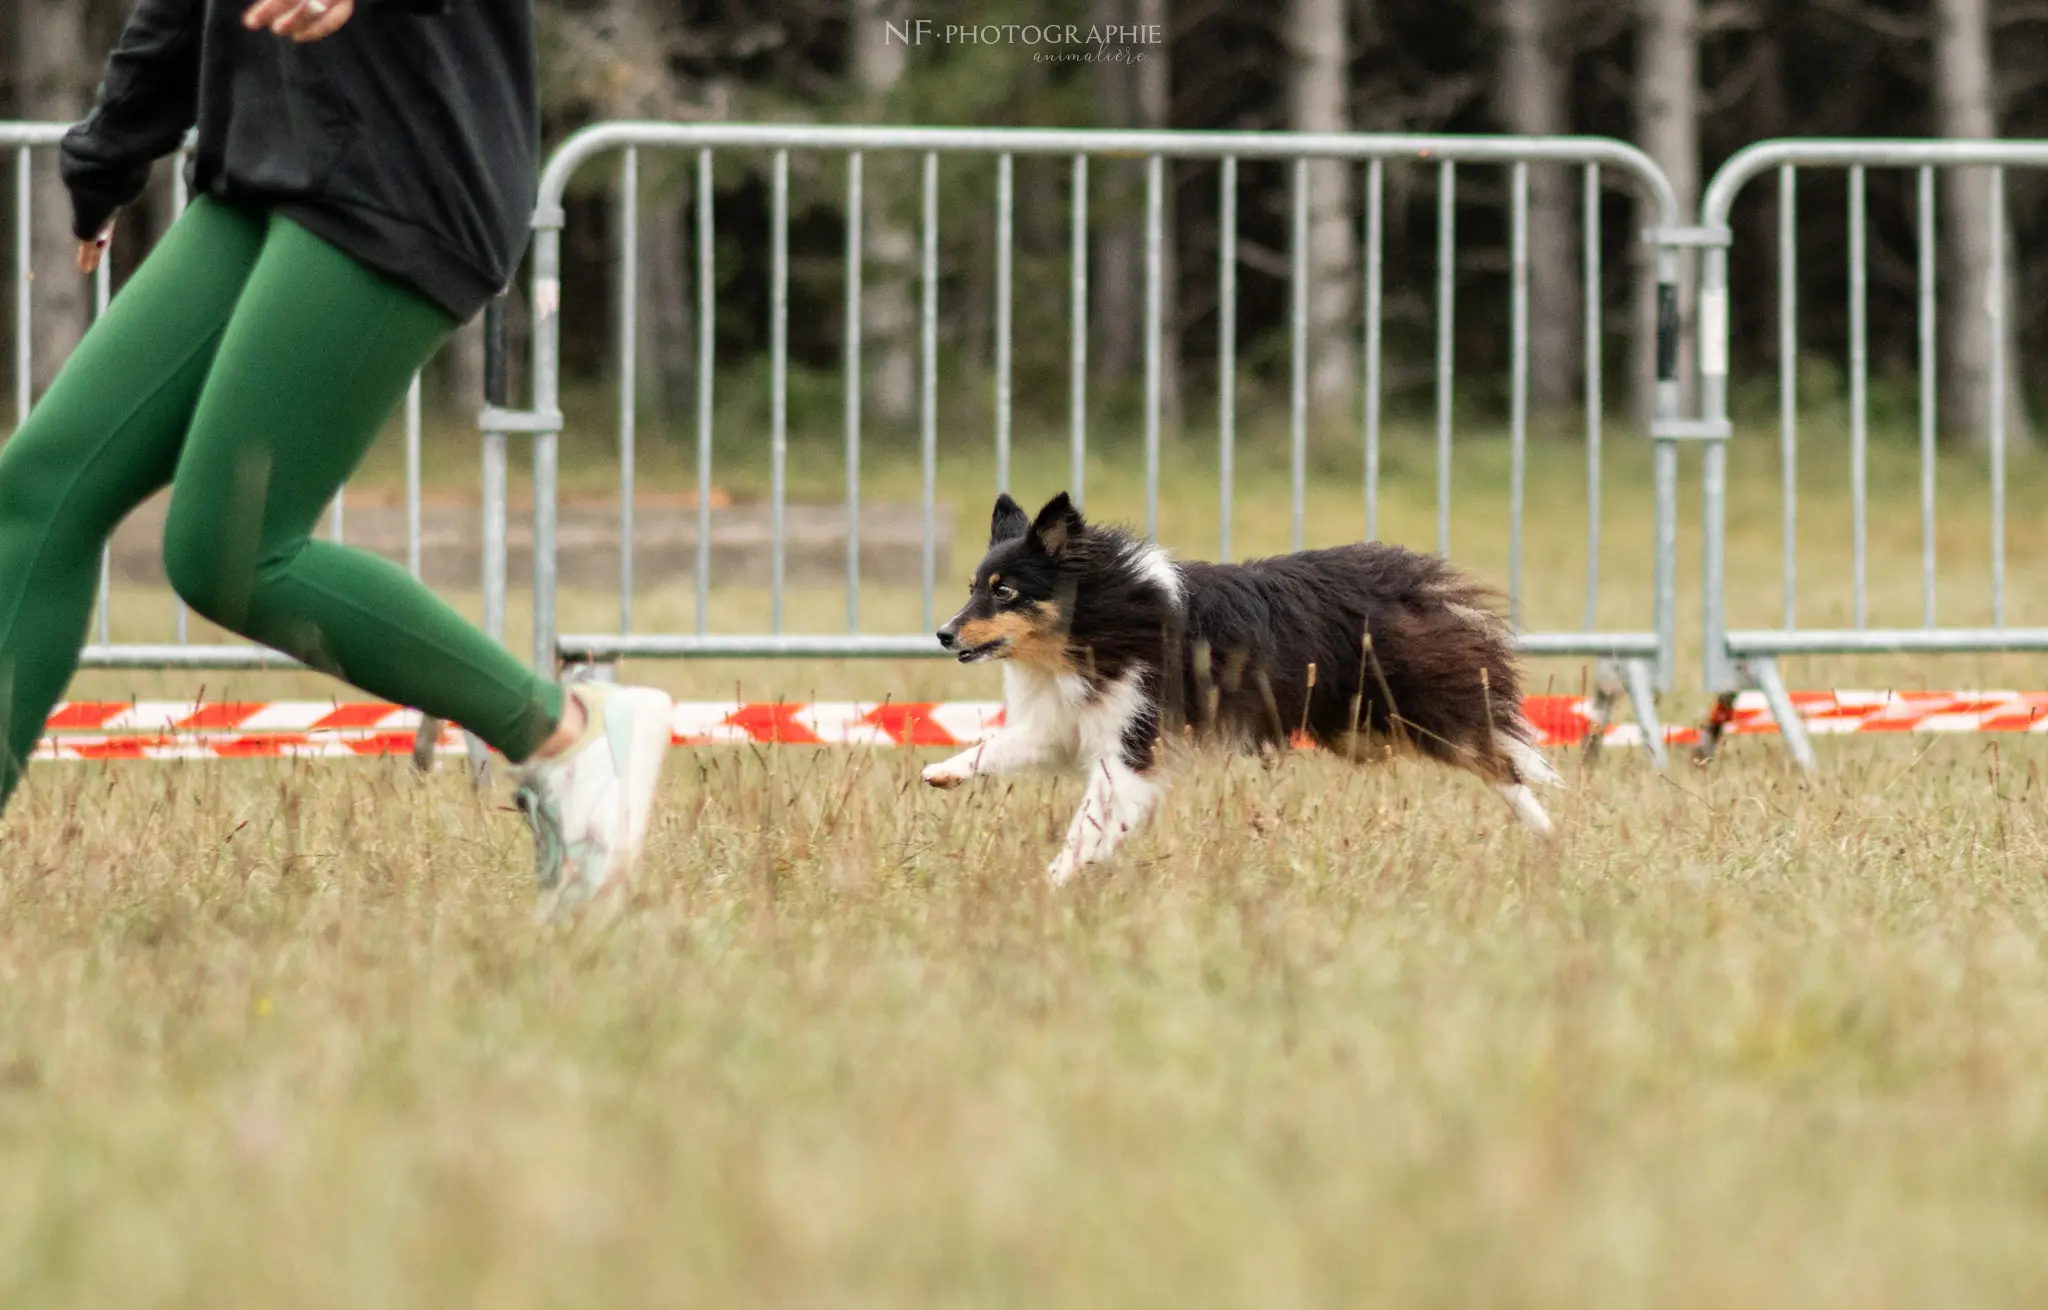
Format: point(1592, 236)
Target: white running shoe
point(589, 806)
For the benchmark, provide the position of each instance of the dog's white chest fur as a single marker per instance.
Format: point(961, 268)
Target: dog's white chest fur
point(1065, 725)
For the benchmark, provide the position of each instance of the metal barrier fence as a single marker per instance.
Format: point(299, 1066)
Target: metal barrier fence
point(1739, 658)
point(178, 651)
point(1640, 658)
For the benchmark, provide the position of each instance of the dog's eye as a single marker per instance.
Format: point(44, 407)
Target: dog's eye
point(1005, 594)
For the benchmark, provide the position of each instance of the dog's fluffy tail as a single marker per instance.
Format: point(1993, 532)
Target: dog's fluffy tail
point(1530, 764)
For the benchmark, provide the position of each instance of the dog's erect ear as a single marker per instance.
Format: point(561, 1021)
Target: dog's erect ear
point(1058, 523)
point(1010, 522)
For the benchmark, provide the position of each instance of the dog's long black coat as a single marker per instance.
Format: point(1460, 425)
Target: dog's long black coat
point(1438, 668)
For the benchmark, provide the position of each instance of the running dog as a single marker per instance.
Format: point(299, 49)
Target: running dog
point(1112, 652)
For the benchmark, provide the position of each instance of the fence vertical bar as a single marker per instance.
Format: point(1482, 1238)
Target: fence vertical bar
point(1996, 310)
point(707, 355)
point(547, 401)
point(24, 279)
point(180, 197)
point(778, 412)
point(1297, 356)
point(1077, 336)
point(1788, 385)
point(629, 372)
point(497, 393)
point(1005, 236)
point(1928, 381)
point(546, 454)
point(1595, 395)
point(1375, 238)
point(928, 445)
point(1713, 546)
point(1155, 328)
point(102, 292)
point(1664, 470)
point(1859, 393)
point(547, 437)
point(413, 425)
point(1226, 350)
point(104, 623)
point(1518, 384)
point(1446, 303)
point(426, 738)
point(854, 204)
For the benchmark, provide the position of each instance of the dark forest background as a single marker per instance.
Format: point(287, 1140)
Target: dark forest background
point(1691, 81)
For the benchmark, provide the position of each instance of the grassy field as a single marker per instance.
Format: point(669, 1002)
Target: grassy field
point(283, 1035)
point(276, 1036)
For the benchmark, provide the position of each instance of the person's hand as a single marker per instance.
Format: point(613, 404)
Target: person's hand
point(301, 20)
point(91, 252)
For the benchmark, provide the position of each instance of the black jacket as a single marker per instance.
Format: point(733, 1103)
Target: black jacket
point(410, 138)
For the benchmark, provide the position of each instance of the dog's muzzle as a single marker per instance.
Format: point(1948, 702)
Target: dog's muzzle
point(949, 639)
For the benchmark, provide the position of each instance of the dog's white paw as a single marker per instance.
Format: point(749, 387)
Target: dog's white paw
point(946, 775)
point(1063, 870)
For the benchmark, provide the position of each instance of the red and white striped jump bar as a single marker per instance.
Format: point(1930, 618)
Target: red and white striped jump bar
point(173, 730)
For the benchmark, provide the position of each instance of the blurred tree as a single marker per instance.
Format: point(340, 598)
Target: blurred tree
point(888, 319)
point(1319, 100)
point(55, 69)
point(1667, 126)
point(1116, 273)
point(1691, 80)
point(1964, 109)
point(618, 59)
point(1155, 110)
point(1534, 91)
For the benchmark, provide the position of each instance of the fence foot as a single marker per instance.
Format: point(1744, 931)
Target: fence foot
point(479, 761)
point(1641, 686)
point(1715, 727)
point(1607, 686)
point(1790, 726)
point(426, 744)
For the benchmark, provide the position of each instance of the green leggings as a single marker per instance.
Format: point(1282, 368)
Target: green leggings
point(248, 365)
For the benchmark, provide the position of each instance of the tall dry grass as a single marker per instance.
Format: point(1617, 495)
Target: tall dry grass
point(276, 1035)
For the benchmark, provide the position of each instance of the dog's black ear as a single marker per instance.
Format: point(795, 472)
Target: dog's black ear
point(1058, 523)
point(1010, 522)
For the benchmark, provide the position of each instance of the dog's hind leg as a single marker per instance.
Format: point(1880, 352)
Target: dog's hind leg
point(1525, 805)
point(1118, 801)
point(1525, 764)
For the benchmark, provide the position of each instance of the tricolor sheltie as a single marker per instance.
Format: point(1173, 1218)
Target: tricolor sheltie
point(1114, 652)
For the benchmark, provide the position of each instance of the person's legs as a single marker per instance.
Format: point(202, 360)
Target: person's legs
point(317, 355)
point(102, 440)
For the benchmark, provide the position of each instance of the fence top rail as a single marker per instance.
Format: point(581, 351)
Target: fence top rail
point(1751, 161)
point(14, 135)
point(602, 137)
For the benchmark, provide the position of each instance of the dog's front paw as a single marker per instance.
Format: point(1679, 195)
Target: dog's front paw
point(1063, 870)
point(946, 775)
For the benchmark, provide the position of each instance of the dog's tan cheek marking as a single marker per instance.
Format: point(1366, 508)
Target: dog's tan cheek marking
point(1043, 643)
